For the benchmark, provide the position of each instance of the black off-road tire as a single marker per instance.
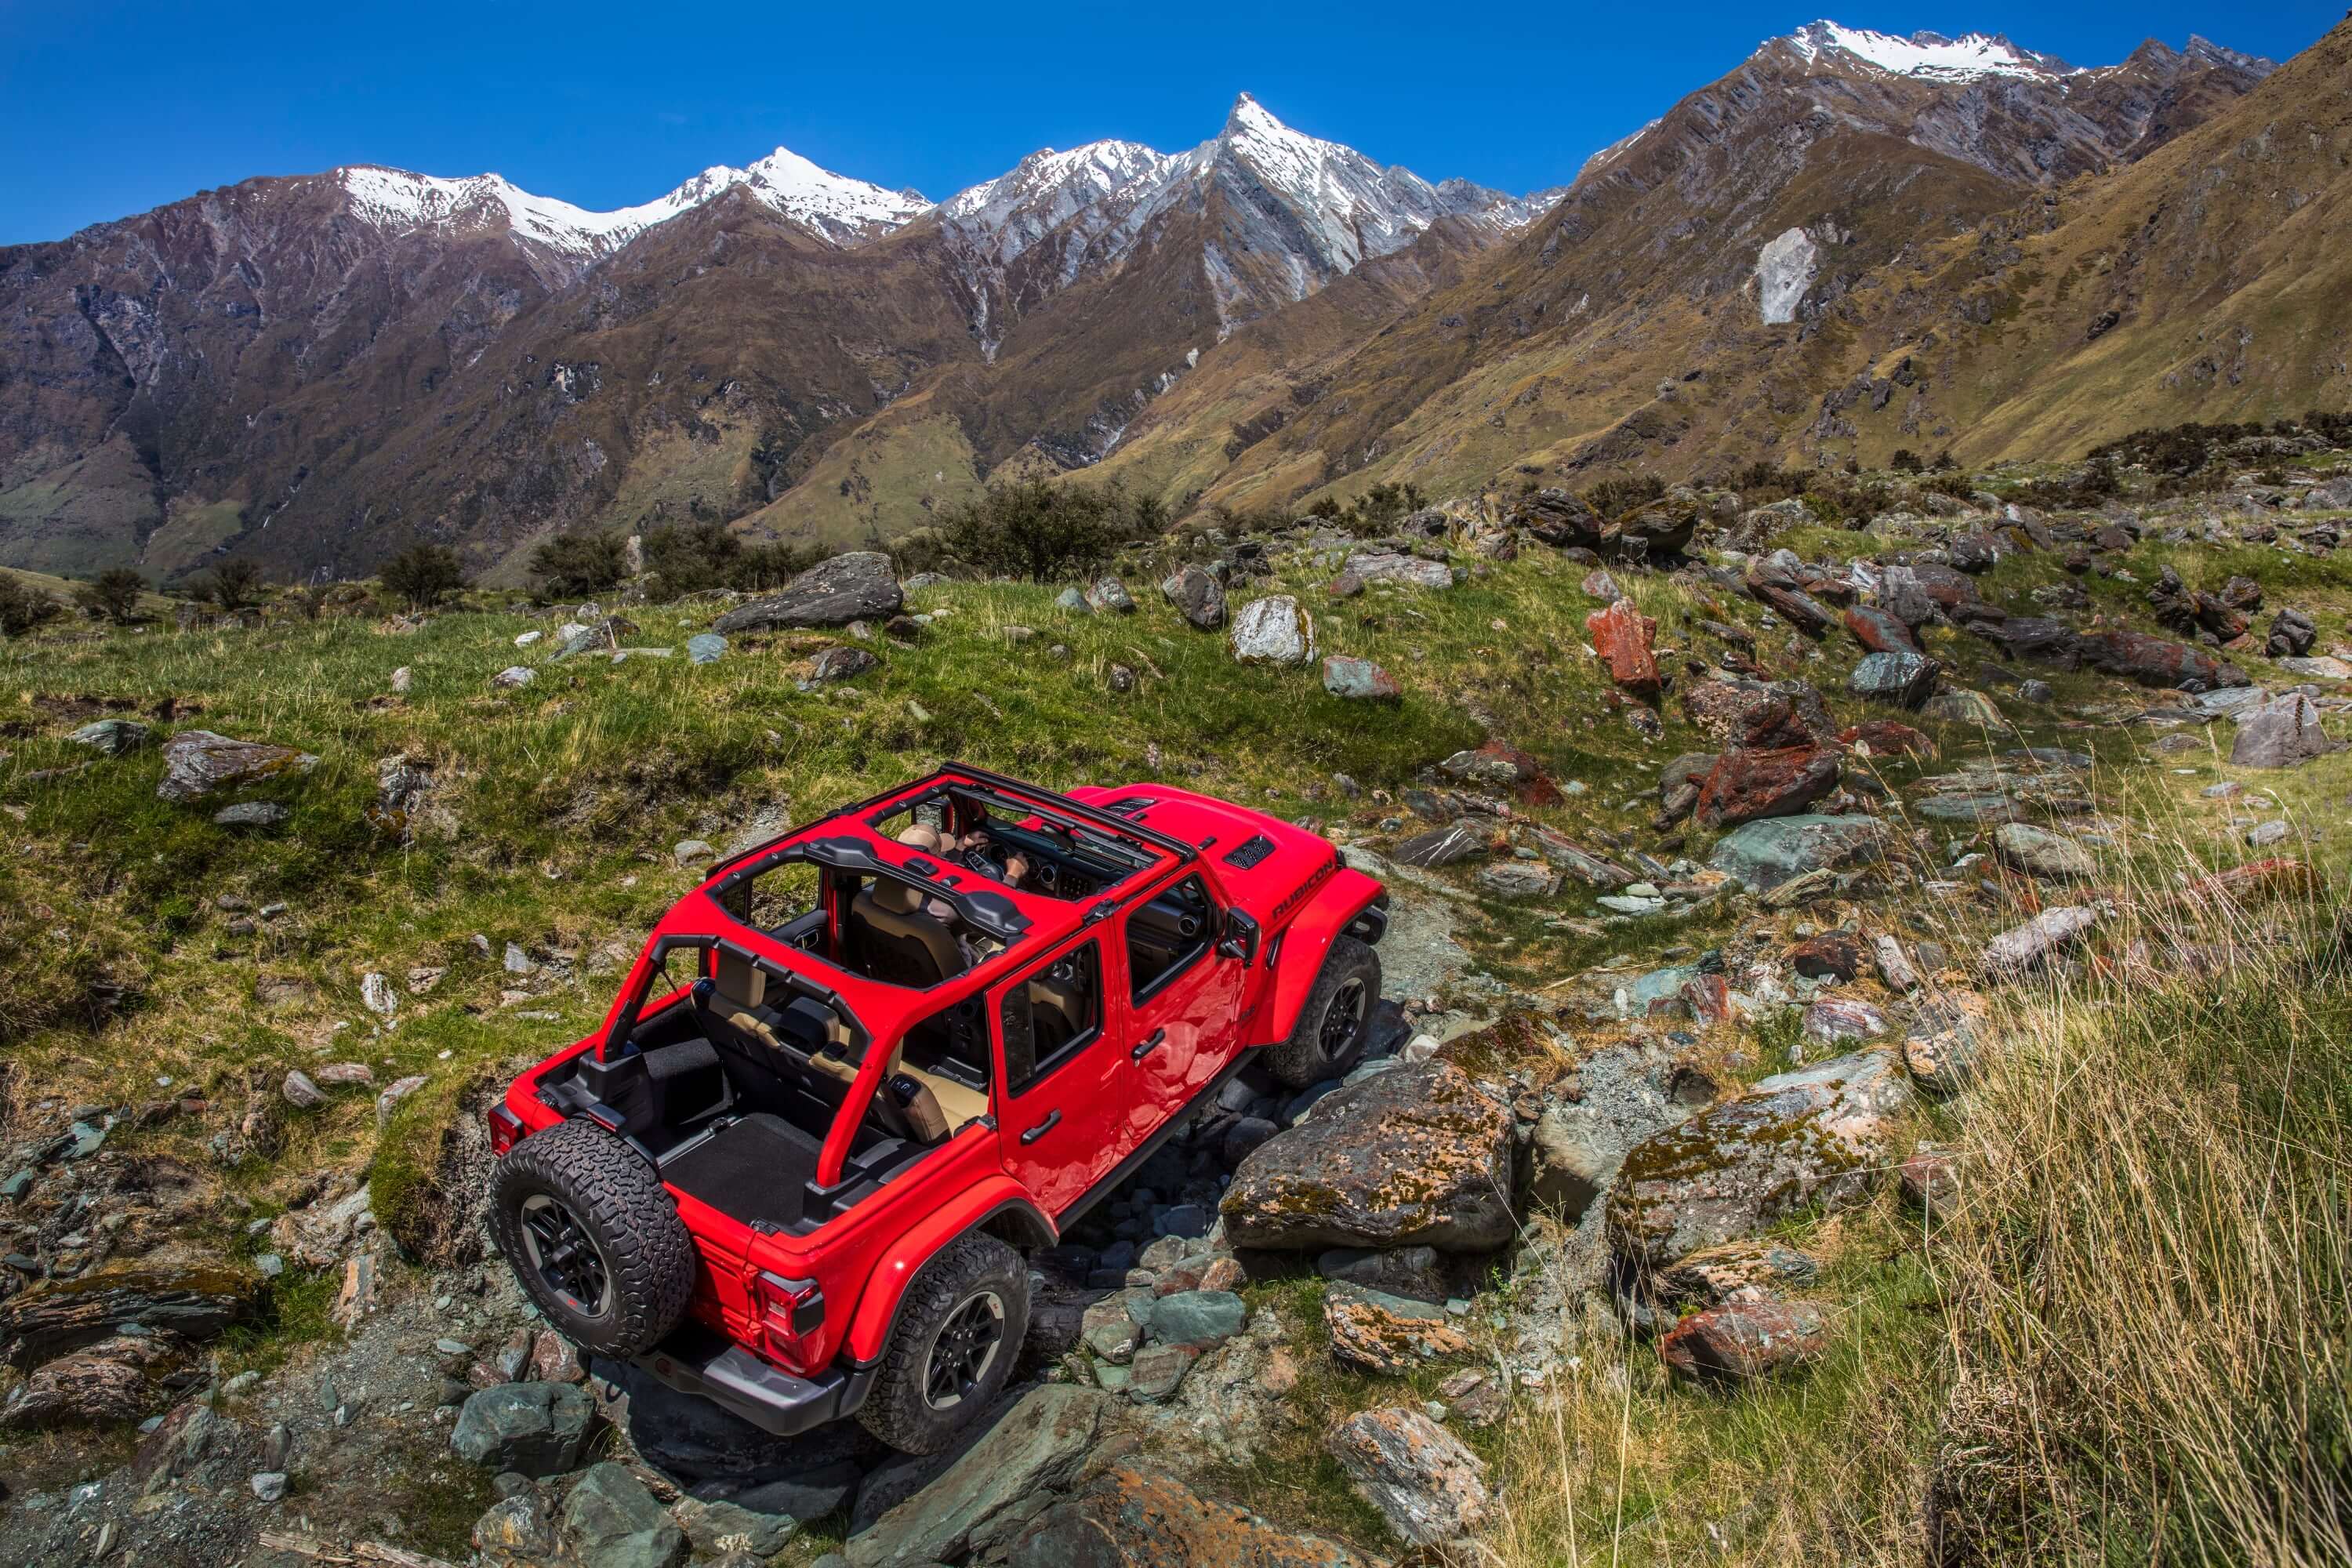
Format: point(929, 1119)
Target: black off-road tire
point(618, 1211)
point(1322, 1047)
point(960, 1281)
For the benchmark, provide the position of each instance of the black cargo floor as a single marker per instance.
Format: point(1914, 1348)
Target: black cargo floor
point(754, 1170)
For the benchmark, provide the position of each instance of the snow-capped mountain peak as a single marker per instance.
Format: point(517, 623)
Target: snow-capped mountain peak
point(844, 211)
point(1930, 57)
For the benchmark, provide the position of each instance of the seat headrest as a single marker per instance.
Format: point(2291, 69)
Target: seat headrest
point(739, 980)
point(896, 897)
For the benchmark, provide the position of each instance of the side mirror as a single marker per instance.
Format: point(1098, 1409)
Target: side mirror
point(1240, 938)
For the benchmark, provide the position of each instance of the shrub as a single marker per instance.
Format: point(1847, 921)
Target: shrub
point(1616, 497)
point(233, 585)
point(1038, 531)
point(1905, 461)
point(424, 574)
point(113, 594)
point(695, 557)
point(23, 606)
point(571, 564)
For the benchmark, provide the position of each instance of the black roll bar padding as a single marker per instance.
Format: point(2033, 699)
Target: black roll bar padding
point(992, 914)
point(626, 1023)
point(1110, 822)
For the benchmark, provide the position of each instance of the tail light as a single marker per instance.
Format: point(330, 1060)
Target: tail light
point(791, 1313)
point(506, 1128)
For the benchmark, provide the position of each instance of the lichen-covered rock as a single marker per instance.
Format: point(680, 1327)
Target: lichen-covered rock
point(1128, 1515)
point(1901, 677)
point(1879, 631)
point(1198, 596)
point(840, 663)
point(1622, 636)
point(1821, 1134)
point(1746, 786)
point(55, 1316)
point(1273, 630)
point(1388, 566)
point(531, 1428)
point(2038, 852)
point(2157, 661)
point(1753, 1270)
point(1372, 1331)
point(856, 586)
point(1745, 1342)
point(1762, 855)
point(1941, 1046)
point(1359, 680)
point(1428, 1488)
point(1415, 1154)
point(196, 763)
point(985, 1493)
point(2280, 734)
point(1749, 713)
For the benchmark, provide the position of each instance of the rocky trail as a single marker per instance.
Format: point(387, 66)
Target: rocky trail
point(1891, 780)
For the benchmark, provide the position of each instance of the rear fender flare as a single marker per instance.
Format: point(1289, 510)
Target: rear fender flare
point(1000, 1199)
point(1306, 941)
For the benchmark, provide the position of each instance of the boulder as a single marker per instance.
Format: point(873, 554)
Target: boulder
point(1878, 631)
point(1902, 678)
point(1428, 1485)
point(1752, 1271)
point(716, 1527)
point(1416, 1273)
point(1762, 855)
point(2051, 932)
point(1886, 738)
point(2291, 635)
point(1834, 956)
point(1388, 566)
point(1198, 596)
point(705, 648)
point(1624, 635)
point(1745, 785)
point(1794, 606)
point(2040, 853)
point(112, 1381)
point(1201, 1319)
point(51, 1317)
point(2280, 734)
point(983, 1494)
point(1749, 713)
point(1359, 680)
point(1273, 630)
point(1108, 597)
point(1745, 1342)
point(840, 663)
point(1374, 1331)
point(1412, 1155)
point(611, 1521)
point(196, 763)
point(530, 1429)
point(1833, 1019)
point(115, 737)
point(1559, 518)
point(1129, 1515)
point(856, 586)
point(1961, 706)
point(2157, 661)
point(1445, 845)
point(1820, 1135)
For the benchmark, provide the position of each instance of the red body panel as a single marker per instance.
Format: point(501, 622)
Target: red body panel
point(1111, 1101)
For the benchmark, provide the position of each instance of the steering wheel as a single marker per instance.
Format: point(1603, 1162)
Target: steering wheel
point(986, 864)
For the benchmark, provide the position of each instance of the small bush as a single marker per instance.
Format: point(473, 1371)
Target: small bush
point(696, 557)
point(233, 585)
point(571, 564)
point(1905, 461)
point(112, 595)
point(23, 606)
point(1041, 531)
point(1616, 497)
point(424, 574)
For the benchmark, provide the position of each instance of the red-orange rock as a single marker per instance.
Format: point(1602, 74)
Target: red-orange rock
point(1623, 635)
point(1746, 1341)
point(1886, 738)
point(1746, 785)
point(1879, 632)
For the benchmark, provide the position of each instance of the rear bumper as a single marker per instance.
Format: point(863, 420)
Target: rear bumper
point(731, 1377)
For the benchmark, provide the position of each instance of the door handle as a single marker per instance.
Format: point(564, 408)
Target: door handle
point(1152, 1042)
point(1041, 1128)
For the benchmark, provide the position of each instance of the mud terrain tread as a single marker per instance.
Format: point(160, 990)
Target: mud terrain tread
point(894, 1410)
point(624, 1207)
point(1298, 1062)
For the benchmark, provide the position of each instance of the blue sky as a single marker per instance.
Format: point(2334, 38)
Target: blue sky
point(110, 107)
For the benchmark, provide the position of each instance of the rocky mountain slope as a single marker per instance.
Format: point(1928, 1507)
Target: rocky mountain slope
point(313, 372)
point(1731, 882)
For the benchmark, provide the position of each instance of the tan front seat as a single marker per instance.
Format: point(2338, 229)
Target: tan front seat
point(899, 941)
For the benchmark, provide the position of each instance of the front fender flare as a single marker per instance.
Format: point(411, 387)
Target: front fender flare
point(1305, 943)
point(886, 1287)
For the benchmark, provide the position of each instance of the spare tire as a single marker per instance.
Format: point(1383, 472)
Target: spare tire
point(594, 1237)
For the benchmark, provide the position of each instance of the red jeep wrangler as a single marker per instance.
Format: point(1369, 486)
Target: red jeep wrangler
point(852, 1077)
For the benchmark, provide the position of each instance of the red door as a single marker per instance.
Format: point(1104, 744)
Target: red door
point(1183, 997)
point(1064, 1080)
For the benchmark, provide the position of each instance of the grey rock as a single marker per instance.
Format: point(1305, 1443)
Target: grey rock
point(611, 1521)
point(1430, 1487)
point(301, 1092)
point(2040, 853)
point(1905, 678)
point(2282, 733)
point(1358, 680)
point(705, 648)
point(1198, 597)
point(2018, 949)
point(534, 1428)
point(692, 852)
point(1109, 596)
point(513, 676)
point(856, 586)
point(1273, 630)
point(840, 663)
point(1197, 1318)
point(196, 763)
point(251, 814)
point(115, 737)
point(1413, 1155)
point(1763, 854)
point(1388, 566)
point(267, 1485)
point(716, 1527)
point(1414, 1273)
point(981, 1493)
point(1445, 845)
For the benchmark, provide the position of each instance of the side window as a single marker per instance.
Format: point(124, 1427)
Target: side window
point(1168, 933)
point(1051, 1015)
